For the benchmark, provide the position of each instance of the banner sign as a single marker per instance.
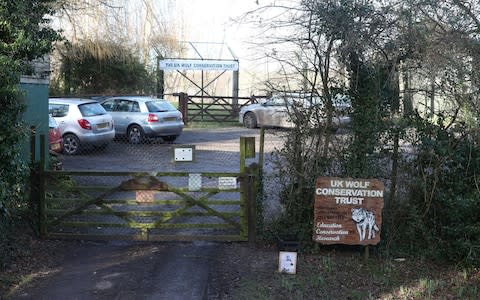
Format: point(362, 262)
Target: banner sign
point(348, 211)
point(198, 64)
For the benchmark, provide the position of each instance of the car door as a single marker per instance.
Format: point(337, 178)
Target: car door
point(118, 112)
point(274, 113)
point(135, 116)
point(59, 112)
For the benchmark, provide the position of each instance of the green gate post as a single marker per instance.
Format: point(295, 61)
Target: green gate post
point(247, 150)
point(261, 150)
point(259, 180)
point(41, 188)
point(252, 208)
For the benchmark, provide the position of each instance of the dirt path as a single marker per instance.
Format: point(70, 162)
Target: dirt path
point(128, 271)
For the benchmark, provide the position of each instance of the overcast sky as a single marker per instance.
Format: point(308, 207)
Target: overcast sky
point(213, 21)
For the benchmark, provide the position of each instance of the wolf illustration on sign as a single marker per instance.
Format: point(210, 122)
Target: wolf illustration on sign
point(365, 220)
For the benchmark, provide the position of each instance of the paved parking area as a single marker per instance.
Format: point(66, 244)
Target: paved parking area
point(216, 150)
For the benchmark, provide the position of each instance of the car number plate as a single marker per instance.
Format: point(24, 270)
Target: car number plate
point(170, 119)
point(102, 125)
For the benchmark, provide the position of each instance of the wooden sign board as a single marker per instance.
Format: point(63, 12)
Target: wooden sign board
point(348, 211)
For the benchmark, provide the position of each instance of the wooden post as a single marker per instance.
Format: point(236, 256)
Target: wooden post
point(243, 206)
point(183, 106)
point(261, 154)
point(252, 210)
point(247, 150)
point(244, 188)
point(242, 153)
point(235, 106)
point(41, 188)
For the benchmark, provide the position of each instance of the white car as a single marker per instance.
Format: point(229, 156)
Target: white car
point(276, 112)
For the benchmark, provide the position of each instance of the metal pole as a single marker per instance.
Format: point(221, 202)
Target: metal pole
point(203, 92)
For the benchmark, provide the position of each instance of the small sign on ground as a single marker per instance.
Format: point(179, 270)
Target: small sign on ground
point(287, 262)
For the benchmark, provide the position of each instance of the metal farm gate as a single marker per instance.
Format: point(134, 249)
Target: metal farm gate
point(147, 206)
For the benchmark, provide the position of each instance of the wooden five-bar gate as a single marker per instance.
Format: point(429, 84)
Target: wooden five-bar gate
point(216, 109)
point(146, 206)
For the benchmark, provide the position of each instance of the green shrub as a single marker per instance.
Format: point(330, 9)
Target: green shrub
point(95, 67)
point(440, 216)
point(24, 36)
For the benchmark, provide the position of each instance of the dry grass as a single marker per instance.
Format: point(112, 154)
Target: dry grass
point(339, 275)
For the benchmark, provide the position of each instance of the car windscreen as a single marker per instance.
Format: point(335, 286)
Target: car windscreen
point(91, 109)
point(159, 106)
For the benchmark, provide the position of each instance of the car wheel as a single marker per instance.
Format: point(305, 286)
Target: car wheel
point(135, 134)
point(249, 120)
point(71, 144)
point(169, 138)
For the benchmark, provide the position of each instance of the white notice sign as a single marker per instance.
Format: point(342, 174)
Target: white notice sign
point(183, 154)
point(199, 64)
point(226, 183)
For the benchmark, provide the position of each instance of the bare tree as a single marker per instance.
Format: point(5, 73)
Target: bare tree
point(140, 25)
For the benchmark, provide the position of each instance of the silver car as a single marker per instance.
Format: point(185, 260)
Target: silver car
point(137, 117)
point(82, 122)
point(276, 111)
point(273, 112)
